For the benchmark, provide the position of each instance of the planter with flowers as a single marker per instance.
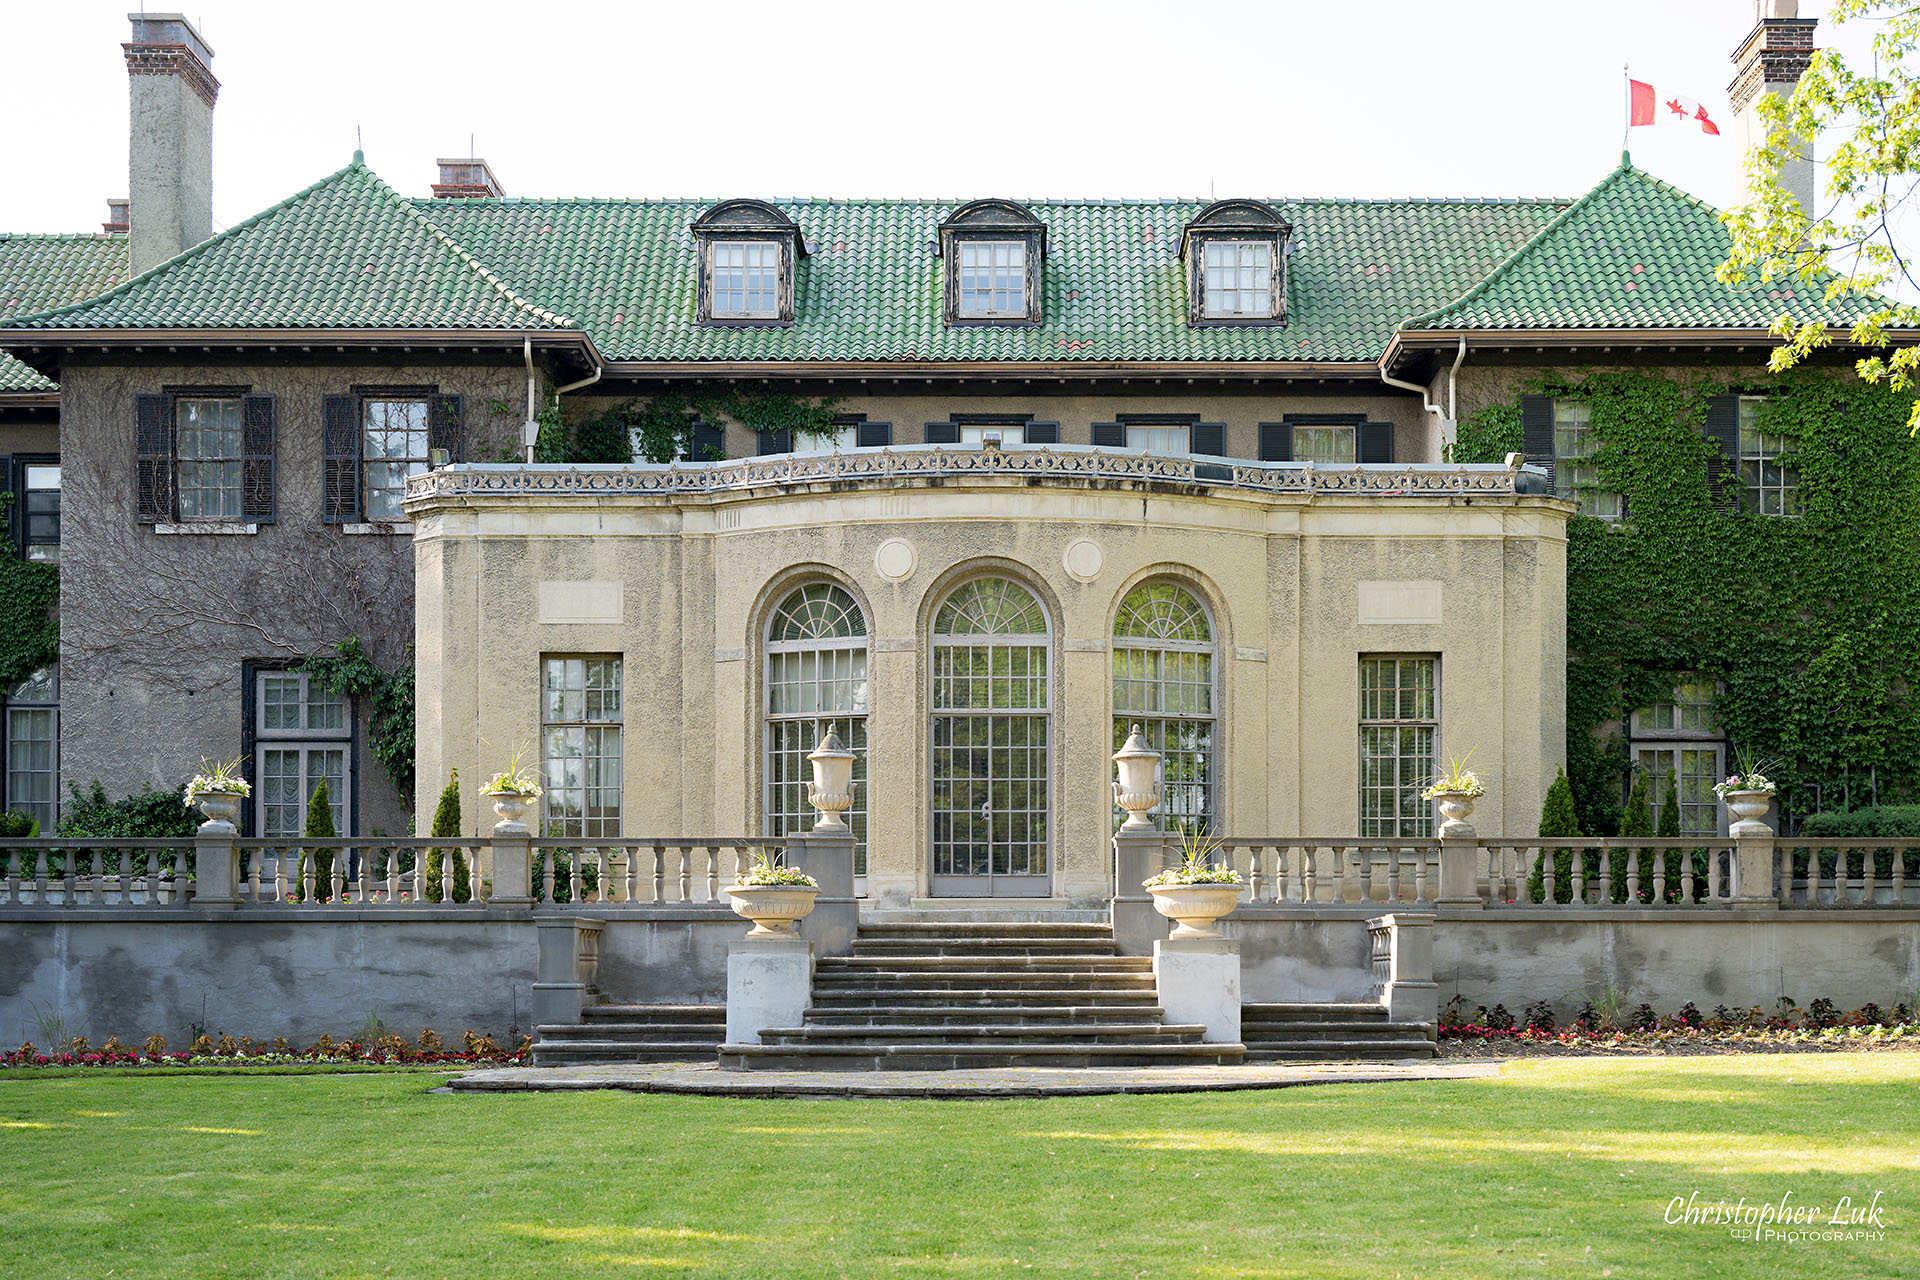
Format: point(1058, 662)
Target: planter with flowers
point(1455, 791)
point(774, 897)
point(217, 791)
point(1748, 793)
point(1199, 891)
point(513, 790)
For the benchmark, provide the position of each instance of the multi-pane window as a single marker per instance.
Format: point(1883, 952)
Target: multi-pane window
point(1239, 279)
point(745, 279)
point(993, 278)
point(1172, 440)
point(37, 507)
point(1766, 487)
point(208, 457)
point(1575, 475)
point(1005, 433)
point(846, 436)
point(580, 747)
point(1163, 650)
point(1399, 715)
point(393, 447)
point(302, 734)
point(33, 748)
point(1325, 443)
point(991, 737)
point(816, 681)
point(1681, 737)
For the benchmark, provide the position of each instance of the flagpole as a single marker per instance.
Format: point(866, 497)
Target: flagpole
point(1626, 116)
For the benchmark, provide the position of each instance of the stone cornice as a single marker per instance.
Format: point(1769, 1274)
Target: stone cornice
point(173, 60)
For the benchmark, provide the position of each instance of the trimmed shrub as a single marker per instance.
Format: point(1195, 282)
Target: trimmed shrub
point(319, 826)
point(1557, 819)
point(1887, 821)
point(150, 814)
point(446, 822)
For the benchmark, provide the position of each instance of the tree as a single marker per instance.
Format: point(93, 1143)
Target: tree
point(319, 826)
point(1557, 821)
point(1868, 125)
point(446, 822)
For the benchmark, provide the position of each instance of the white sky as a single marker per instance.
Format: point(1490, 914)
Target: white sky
point(831, 97)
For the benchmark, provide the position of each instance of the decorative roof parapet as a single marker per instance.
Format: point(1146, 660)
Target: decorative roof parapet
point(563, 480)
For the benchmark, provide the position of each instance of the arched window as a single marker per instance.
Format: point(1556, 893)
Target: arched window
point(816, 678)
point(992, 698)
point(1163, 649)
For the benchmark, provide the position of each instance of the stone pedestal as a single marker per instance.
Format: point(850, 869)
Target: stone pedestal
point(1460, 872)
point(1199, 981)
point(1137, 856)
point(1403, 966)
point(567, 969)
point(1754, 885)
point(827, 856)
point(769, 984)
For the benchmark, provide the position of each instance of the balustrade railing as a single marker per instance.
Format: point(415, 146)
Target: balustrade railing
point(443, 872)
point(1279, 870)
point(1847, 872)
point(102, 873)
point(1599, 871)
point(659, 871)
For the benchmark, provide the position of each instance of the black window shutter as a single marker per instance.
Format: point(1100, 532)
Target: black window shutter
point(943, 433)
point(1375, 443)
point(1110, 435)
point(873, 435)
point(1209, 438)
point(1276, 442)
point(444, 431)
point(1723, 463)
point(777, 441)
point(153, 441)
point(709, 443)
point(1536, 433)
point(1043, 433)
point(340, 459)
point(257, 461)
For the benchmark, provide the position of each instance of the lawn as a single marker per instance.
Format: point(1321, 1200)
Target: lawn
point(1555, 1168)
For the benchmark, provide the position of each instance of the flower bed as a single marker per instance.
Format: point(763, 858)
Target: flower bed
point(1605, 1026)
point(205, 1050)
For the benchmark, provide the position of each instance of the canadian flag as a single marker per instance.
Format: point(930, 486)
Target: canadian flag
point(1649, 107)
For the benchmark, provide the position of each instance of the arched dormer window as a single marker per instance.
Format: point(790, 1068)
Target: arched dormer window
point(1236, 256)
point(747, 251)
point(993, 250)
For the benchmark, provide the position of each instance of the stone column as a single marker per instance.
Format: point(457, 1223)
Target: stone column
point(1136, 856)
point(769, 984)
point(835, 918)
point(1199, 981)
point(1404, 983)
point(216, 868)
point(512, 865)
point(566, 975)
point(1460, 872)
point(1753, 872)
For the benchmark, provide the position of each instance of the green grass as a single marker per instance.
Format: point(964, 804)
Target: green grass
point(1555, 1168)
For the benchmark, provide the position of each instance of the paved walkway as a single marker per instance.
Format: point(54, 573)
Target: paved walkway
point(993, 1082)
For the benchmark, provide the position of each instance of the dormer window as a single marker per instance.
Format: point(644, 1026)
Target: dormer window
point(747, 250)
point(993, 251)
point(1235, 252)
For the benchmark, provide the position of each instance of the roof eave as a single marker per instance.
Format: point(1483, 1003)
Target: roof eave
point(959, 370)
point(25, 344)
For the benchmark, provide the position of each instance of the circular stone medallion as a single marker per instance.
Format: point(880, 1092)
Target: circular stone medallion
point(1083, 559)
point(895, 559)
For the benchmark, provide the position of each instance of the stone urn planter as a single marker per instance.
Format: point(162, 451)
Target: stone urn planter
point(774, 909)
point(1195, 907)
point(1455, 808)
point(1748, 808)
point(220, 806)
point(512, 805)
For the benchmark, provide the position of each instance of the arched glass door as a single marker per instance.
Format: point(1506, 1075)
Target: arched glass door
point(1163, 650)
point(992, 703)
point(816, 679)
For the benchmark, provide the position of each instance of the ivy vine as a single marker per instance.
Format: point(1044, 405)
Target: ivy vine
point(661, 428)
point(347, 672)
point(1808, 622)
point(29, 623)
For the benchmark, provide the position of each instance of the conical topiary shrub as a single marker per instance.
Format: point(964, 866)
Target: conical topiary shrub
point(1635, 823)
point(1557, 819)
point(446, 823)
point(1667, 828)
point(320, 826)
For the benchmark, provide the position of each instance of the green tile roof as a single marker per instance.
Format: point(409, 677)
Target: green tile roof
point(37, 272)
point(1633, 253)
point(346, 253)
point(1114, 287)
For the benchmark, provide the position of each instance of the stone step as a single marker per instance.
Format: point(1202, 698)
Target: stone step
point(884, 996)
point(1419, 1047)
point(951, 946)
point(1018, 962)
point(716, 1013)
point(990, 1033)
point(1027, 1014)
point(1303, 1030)
point(986, 912)
point(1332, 1011)
point(563, 1053)
point(964, 926)
point(906, 1057)
point(630, 1030)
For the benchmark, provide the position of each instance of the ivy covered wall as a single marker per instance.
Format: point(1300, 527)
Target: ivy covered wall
point(1811, 623)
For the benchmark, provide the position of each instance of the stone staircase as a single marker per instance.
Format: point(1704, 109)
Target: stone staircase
point(1275, 1032)
point(939, 995)
point(633, 1033)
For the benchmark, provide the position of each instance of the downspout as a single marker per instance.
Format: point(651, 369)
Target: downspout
point(1448, 420)
point(531, 432)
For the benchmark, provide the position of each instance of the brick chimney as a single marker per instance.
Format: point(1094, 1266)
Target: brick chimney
point(468, 179)
point(116, 223)
point(1771, 60)
point(169, 138)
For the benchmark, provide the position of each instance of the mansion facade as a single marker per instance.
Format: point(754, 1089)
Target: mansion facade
point(1083, 464)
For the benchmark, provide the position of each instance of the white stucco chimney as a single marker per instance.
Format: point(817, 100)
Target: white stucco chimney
point(169, 137)
point(1771, 60)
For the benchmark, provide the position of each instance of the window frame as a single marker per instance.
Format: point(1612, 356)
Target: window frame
point(1209, 651)
point(368, 459)
point(743, 220)
point(776, 286)
point(236, 399)
point(14, 473)
point(549, 824)
point(989, 222)
point(1584, 493)
point(1422, 817)
point(1236, 221)
point(1207, 246)
point(10, 703)
point(305, 739)
point(777, 818)
point(1016, 308)
point(1753, 495)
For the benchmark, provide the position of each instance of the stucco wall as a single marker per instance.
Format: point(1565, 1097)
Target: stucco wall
point(154, 628)
point(697, 577)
